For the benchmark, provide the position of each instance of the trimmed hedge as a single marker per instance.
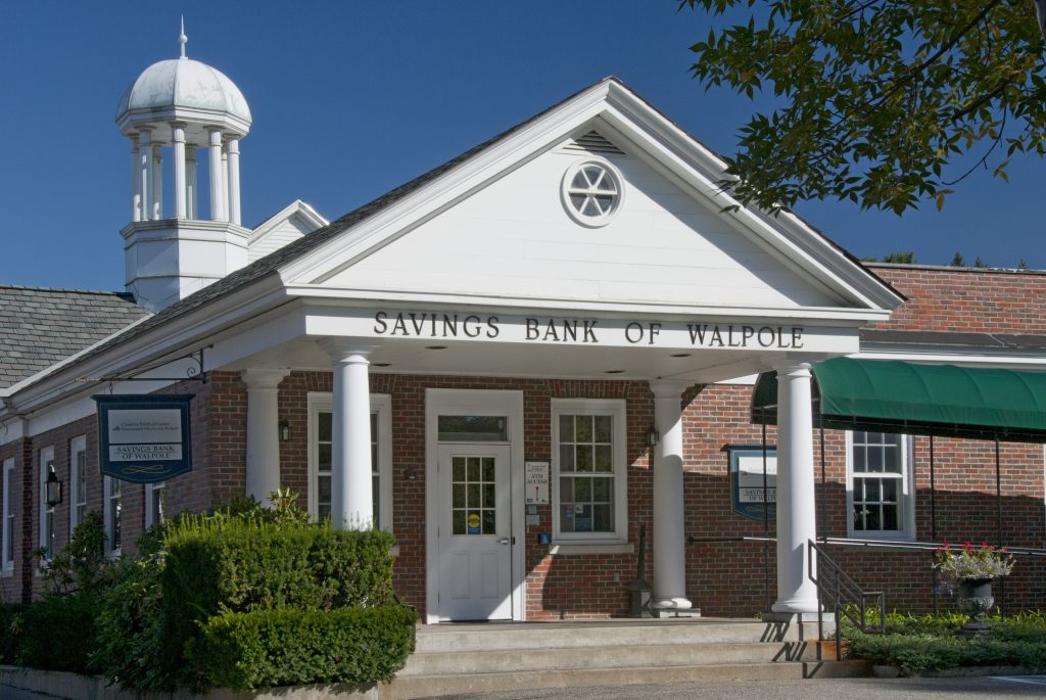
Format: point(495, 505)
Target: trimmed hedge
point(914, 653)
point(241, 565)
point(58, 633)
point(10, 632)
point(286, 646)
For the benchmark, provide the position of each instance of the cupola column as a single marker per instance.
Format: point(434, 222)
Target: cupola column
point(136, 182)
point(233, 147)
point(178, 154)
point(145, 166)
point(190, 182)
point(215, 162)
point(157, 182)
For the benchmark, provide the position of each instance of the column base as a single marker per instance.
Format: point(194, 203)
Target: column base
point(667, 613)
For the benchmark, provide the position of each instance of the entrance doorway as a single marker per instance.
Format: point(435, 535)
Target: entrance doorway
point(474, 524)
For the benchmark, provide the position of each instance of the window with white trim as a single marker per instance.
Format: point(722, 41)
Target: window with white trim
point(155, 503)
point(879, 485)
point(320, 441)
point(589, 470)
point(77, 481)
point(47, 536)
point(112, 508)
point(8, 540)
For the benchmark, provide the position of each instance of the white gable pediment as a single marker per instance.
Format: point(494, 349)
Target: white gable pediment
point(286, 226)
point(496, 229)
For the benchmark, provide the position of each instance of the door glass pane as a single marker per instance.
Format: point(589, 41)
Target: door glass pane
point(473, 495)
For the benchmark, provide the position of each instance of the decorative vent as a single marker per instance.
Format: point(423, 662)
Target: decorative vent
point(593, 142)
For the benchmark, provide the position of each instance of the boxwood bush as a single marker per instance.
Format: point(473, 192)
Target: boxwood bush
point(287, 646)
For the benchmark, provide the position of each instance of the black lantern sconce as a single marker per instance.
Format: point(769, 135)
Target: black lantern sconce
point(52, 489)
point(653, 437)
point(285, 430)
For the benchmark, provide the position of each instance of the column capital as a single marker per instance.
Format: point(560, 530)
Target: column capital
point(669, 388)
point(233, 144)
point(263, 378)
point(793, 368)
point(145, 135)
point(215, 133)
point(347, 350)
point(178, 131)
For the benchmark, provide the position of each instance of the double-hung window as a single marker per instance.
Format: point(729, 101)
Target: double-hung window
point(77, 481)
point(8, 528)
point(47, 534)
point(112, 509)
point(879, 485)
point(589, 470)
point(155, 503)
point(321, 436)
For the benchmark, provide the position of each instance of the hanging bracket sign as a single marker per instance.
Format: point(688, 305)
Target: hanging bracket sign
point(747, 480)
point(144, 438)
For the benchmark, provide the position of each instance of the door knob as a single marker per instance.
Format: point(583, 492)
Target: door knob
point(505, 540)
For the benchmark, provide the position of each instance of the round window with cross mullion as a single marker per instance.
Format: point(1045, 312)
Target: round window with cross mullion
point(592, 192)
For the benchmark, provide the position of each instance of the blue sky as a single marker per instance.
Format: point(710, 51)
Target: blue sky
point(351, 99)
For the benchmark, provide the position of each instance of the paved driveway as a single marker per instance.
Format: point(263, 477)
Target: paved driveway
point(842, 689)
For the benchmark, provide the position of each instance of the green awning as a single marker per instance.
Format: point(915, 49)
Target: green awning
point(918, 399)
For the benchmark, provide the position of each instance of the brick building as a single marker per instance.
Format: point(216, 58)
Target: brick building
point(529, 365)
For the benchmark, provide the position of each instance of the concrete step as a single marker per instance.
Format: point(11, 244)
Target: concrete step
point(456, 662)
point(464, 637)
point(423, 686)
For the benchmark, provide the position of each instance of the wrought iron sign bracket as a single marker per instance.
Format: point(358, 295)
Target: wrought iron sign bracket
point(193, 373)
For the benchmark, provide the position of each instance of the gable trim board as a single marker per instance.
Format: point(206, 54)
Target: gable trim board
point(297, 268)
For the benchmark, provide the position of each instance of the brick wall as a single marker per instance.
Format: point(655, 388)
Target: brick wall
point(966, 299)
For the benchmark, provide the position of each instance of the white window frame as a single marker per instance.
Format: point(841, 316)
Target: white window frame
point(618, 410)
point(107, 505)
point(381, 404)
point(7, 530)
point(46, 536)
point(77, 445)
point(907, 494)
point(150, 510)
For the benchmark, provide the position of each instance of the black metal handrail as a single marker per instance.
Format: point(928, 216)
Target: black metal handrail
point(847, 597)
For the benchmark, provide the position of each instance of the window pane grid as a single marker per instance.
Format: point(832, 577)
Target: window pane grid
point(586, 468)
point(878, 482)
point(80, 506)
point(324, 446)
point(473, 496)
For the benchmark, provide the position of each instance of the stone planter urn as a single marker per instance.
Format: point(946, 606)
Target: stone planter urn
point(976, 600)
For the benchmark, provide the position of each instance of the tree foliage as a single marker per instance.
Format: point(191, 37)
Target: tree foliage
point(880, 102)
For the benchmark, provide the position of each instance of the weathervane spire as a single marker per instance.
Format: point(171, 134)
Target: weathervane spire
point(182, 39)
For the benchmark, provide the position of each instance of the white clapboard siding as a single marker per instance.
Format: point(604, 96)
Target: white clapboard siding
point(513, 238)
point(282, 233)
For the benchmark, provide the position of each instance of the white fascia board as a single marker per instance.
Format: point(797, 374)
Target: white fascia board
point(446, 190)
point(155, 345)
point(964, 359)
point(795, 238)
point(378, 298)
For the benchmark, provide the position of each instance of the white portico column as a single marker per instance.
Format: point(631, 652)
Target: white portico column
point(234, 181)
point(263, 439)
point(669, 536)
point(215, 163)
point(352, 505)
point(178, 154)
point(796, 499)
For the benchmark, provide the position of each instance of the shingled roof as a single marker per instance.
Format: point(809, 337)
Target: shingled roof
point(40, 326)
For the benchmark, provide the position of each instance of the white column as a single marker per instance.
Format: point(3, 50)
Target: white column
point(796, 499)
point(352, 505)
point(191, 196)
point(234, 181)
point(263, 435)
point(145, 166)
point(215, 163)
point(225, 182)
point(157, 188)
point(178, 154)
point(669, 526)
point(136, 181)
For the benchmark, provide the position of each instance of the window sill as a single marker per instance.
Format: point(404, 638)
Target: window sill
point(7, 572)
point(881, 536)
point(567, 549)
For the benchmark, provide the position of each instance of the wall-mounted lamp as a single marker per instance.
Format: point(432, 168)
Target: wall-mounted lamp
point(285, 430)
point(653, 437)
point(52, 489)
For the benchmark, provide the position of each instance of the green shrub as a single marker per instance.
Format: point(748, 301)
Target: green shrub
point(915, 653)
point(129, 646)
point(10, 632)
point(240, 564)
point(58, 633)
point(285, 646)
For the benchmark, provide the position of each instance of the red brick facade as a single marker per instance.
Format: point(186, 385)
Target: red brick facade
point(723, 577)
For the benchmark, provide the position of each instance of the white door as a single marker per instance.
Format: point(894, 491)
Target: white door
point(475, 533)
